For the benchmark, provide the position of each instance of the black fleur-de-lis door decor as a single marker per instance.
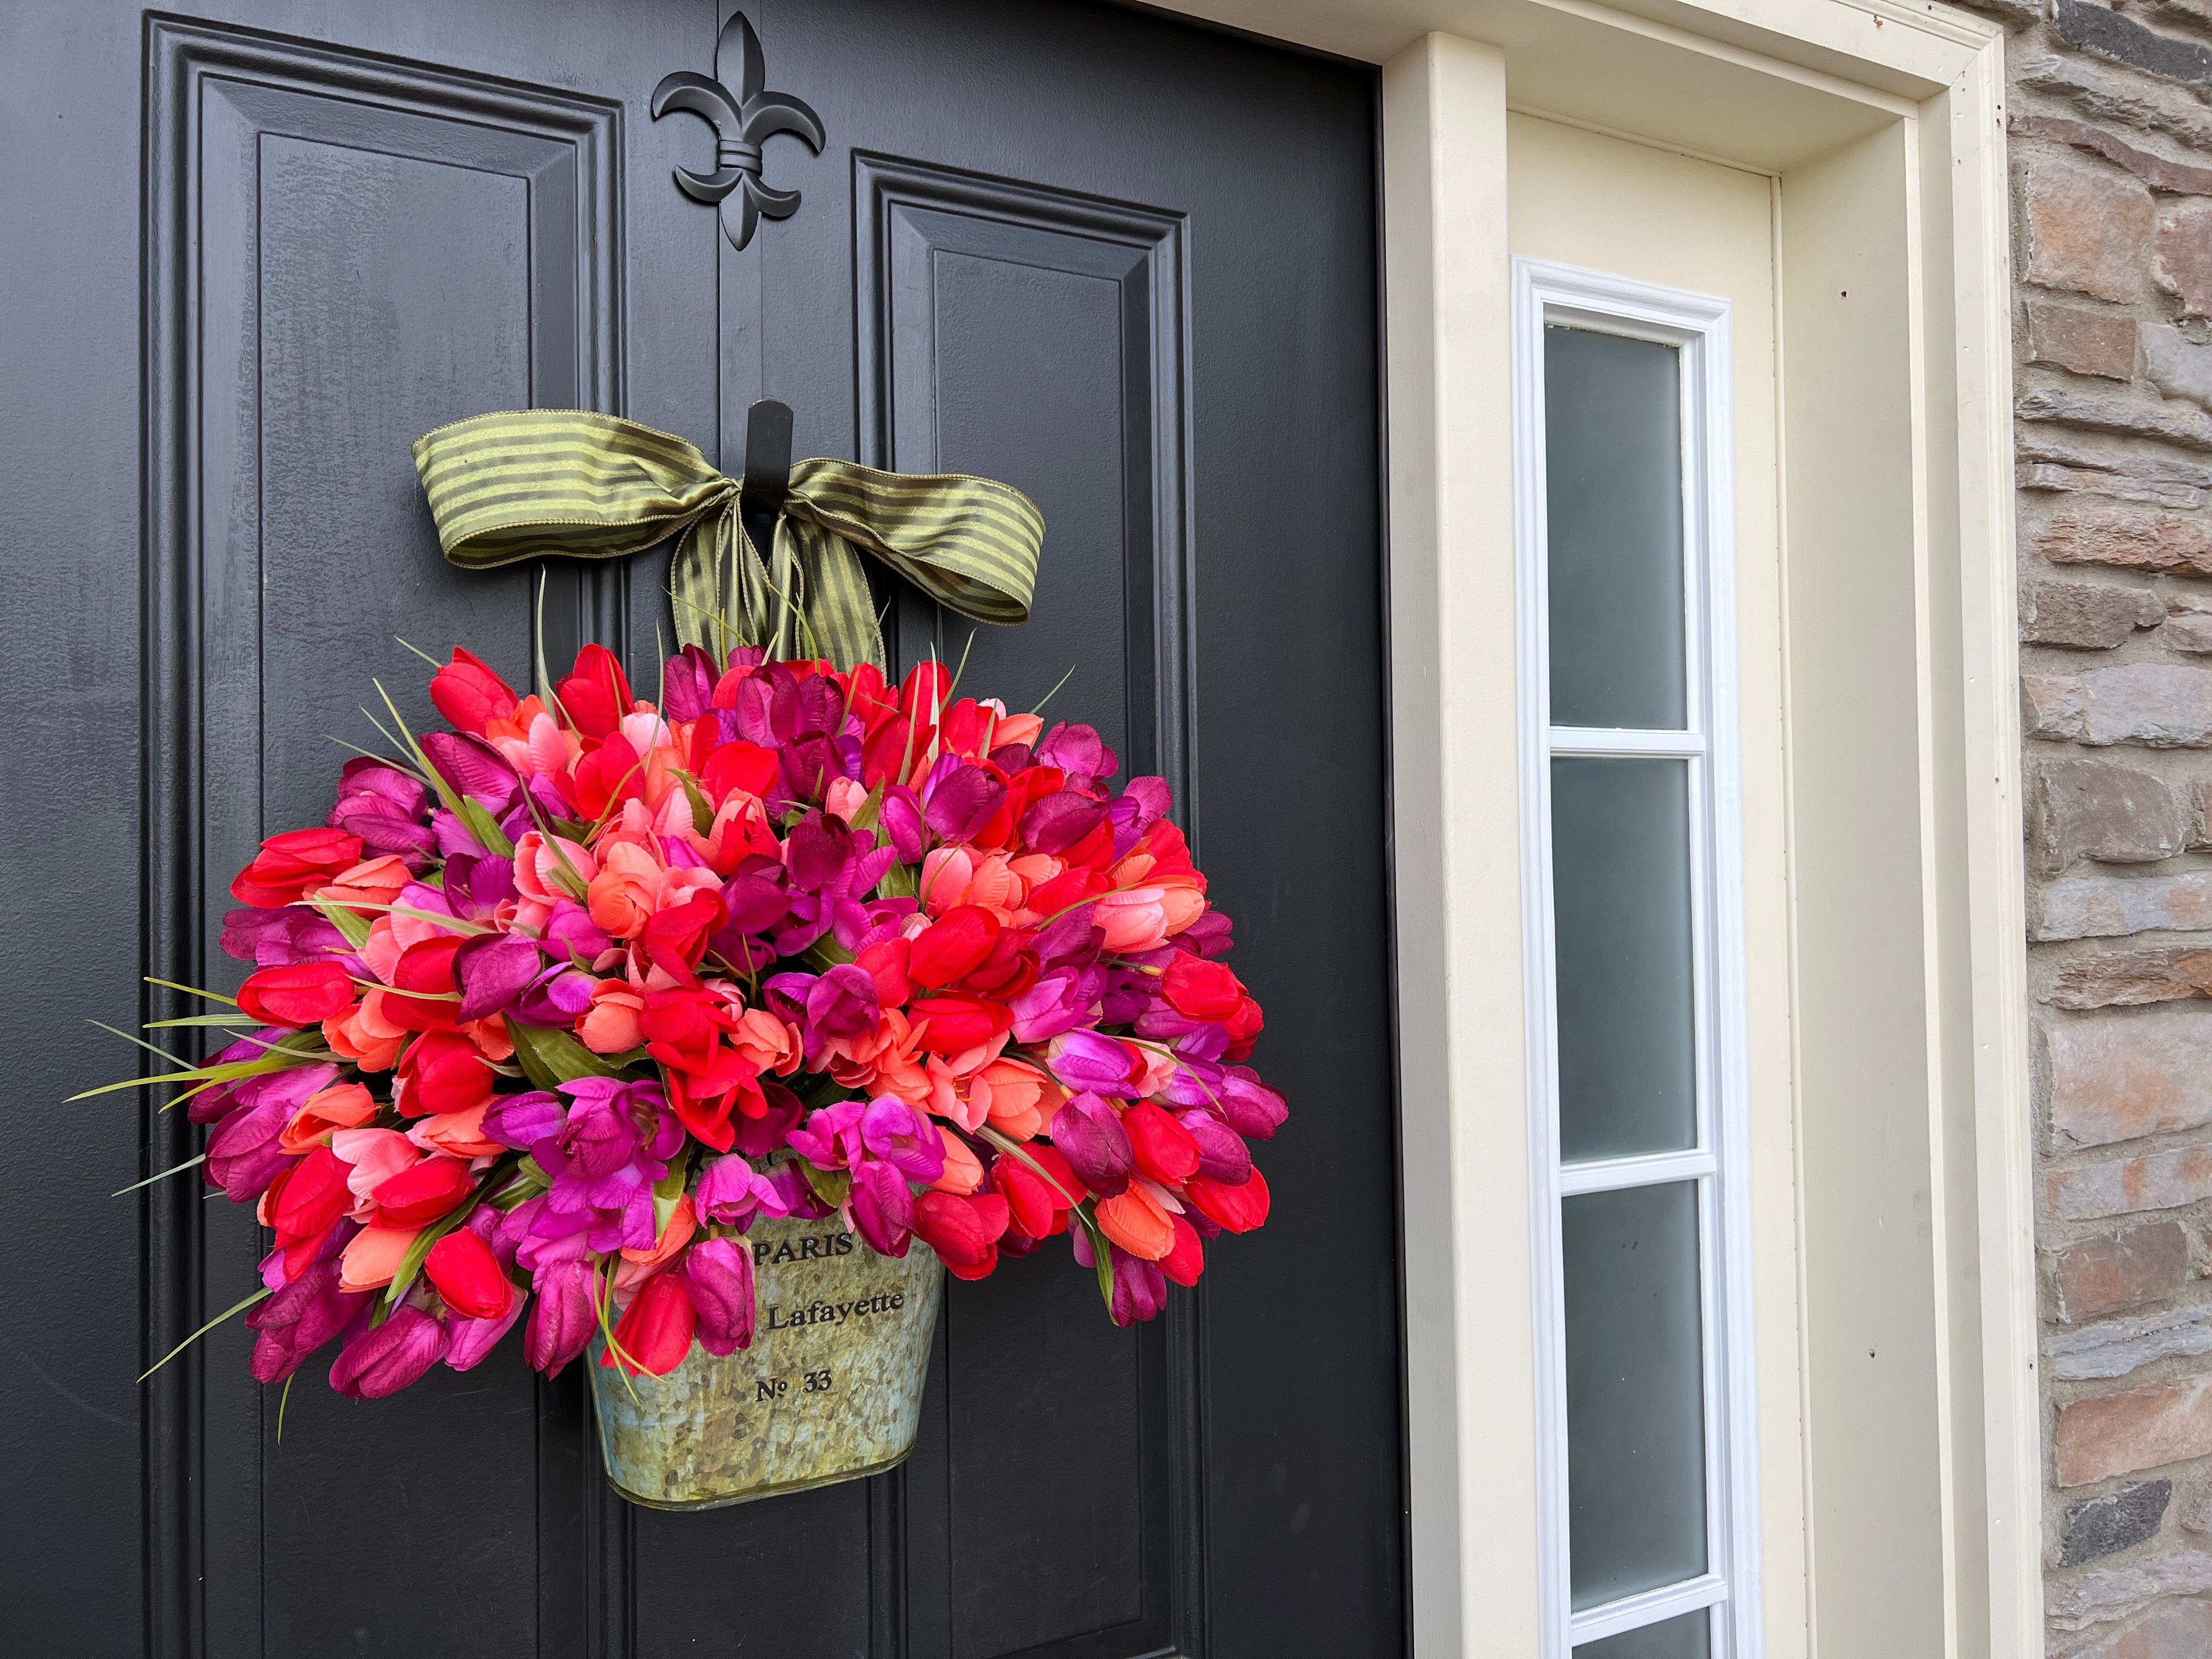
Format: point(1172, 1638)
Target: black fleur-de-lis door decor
point(741, 121)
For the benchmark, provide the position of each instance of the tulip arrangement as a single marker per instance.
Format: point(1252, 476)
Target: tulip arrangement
point(558, 1002)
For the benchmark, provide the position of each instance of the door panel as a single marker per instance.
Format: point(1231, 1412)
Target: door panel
point(1123, 263)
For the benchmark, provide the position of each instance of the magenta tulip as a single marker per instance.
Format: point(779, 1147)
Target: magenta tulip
point(382, 1359)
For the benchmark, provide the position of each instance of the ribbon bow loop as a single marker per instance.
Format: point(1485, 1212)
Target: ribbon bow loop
point(531, 483)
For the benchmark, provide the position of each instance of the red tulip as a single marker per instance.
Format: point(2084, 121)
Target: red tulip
point(469, 694)
point(741, 766)
point(1166, 1151)
point(955, 945)
point(597, 696)
point(304, 1200)
point(289, 864)
point(1038, 1211)
point(422, 1193)
point(443, 1072)
point(674, 939)
point(1184, 1263)
point(302, 994)
point(964, 1231)
point(1199, 989)
point(1235, 1209)
point(655, 1334)
point(426, 966)
point(467, 1274)
point(958, 1024)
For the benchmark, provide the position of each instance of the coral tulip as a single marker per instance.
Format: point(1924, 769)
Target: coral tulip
point(371, 1258)
point(467, 1274)
point(341, 1106)
point(1135, 1221)
point(655, 1334)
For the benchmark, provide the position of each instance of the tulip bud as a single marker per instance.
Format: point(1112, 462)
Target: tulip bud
point(299, 1319)
point(467, 1274)
point(1222, 1154)
point(719, 1276)
point(469, 693)
point(469, 1342)
point(382, 1359)
point(1136, 1222)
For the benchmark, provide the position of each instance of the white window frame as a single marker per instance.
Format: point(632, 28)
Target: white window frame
point(1697, 325)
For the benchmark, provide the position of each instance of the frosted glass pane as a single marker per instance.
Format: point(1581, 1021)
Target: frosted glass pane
point(1690, 1637)
point(1636, 1440)
point(1613, 453)
point(1620, 904)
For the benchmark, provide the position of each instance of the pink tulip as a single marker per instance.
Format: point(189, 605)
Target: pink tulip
point(563, 1320)
point(882, 1208)
point(720, 1272)
point(469, 1342)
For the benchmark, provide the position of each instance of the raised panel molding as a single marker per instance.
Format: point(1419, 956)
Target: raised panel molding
point(224, 110)
point(1118, 269)
point(907, 213)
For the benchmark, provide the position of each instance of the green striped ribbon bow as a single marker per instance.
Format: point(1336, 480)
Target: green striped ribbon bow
point(528, 482)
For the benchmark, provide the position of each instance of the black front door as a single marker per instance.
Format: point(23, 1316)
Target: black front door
point(1120, 262)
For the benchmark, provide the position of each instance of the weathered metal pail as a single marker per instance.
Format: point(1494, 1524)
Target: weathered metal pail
point(830, 1390)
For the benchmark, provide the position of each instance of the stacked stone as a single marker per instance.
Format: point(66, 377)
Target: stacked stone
point(2110, 116)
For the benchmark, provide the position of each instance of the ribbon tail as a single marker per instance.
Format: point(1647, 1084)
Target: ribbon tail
point(840, 608)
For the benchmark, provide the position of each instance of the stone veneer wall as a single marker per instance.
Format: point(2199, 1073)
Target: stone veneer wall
point(2110, 117)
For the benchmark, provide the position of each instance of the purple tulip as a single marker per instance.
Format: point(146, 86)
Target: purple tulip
point(842, 1003)
point(730, 1189)
point(900, 819)
point(757, 1137)
point(300, 1318)
point(798, 1197)
point(687, 687)
point(1135, 809)
point(470, 766)
point(882, 1208)
point(902, 1137)
point(831, 1136)
point(1084, 1060)
point(1222, 1153)
point(243, 1156)
point(559, 996)
point(720, 1274)
point(1250, 1106)
point(563, 1319)
point(469, 1342)
point(475, 888)
point(213, 1105)
point(1079, 751)
point(963, 801)
point(523, 1120)
point(1140, 1289)
point(1058, 821)
point(491, 970)
point(1090, 1136)
point(382, 1359)
point(1069, 941)
point(616, 1143)
point(571, 935)
point(279, 938)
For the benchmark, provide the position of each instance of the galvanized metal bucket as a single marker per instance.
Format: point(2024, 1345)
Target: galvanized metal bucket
point(830, 1390)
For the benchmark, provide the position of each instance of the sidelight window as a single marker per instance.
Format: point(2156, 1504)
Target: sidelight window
point(1634, 968)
